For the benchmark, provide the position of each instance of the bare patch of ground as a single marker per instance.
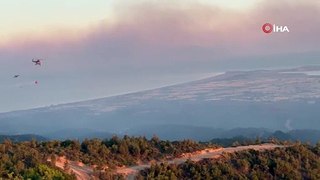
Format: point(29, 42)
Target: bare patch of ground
point(81, 171)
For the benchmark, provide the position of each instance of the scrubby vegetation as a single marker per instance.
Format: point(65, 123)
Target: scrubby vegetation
point(119, 151)
point(36, 160)
point(295, 162)
point(25, 161)
point(238, 141)
point(30, 159)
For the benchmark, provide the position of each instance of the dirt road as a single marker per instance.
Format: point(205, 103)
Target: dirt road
point(131, 172)
point(81, 171)
point(84, 172)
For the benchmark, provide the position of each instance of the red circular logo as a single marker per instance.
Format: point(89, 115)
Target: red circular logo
point(267, 28)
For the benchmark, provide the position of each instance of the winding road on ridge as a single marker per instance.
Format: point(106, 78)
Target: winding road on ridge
point(83, 172)
point(132, 171)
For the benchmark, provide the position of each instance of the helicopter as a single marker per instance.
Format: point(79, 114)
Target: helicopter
point(37, 61)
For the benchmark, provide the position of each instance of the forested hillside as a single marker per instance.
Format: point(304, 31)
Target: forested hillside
point(37, 160)
point(295, 162)
point(32, 159)
point(26, 161)
point(22, 137)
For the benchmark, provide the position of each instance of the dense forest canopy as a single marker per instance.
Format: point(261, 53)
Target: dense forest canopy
point(33, 159)
point(36, 160)
point(295, 162)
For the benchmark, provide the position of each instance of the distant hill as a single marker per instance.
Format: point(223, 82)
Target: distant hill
point(246, 132)
point(23, 137)
point(305, 136)
point(79, 134)
point(176, 132)
point(199, 133)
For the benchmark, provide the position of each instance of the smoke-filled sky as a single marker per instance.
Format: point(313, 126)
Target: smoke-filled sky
point(104, 47)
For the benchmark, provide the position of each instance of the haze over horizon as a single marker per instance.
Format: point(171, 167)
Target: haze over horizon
point(101, 48)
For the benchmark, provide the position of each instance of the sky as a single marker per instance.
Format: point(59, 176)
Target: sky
point(101, 48)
